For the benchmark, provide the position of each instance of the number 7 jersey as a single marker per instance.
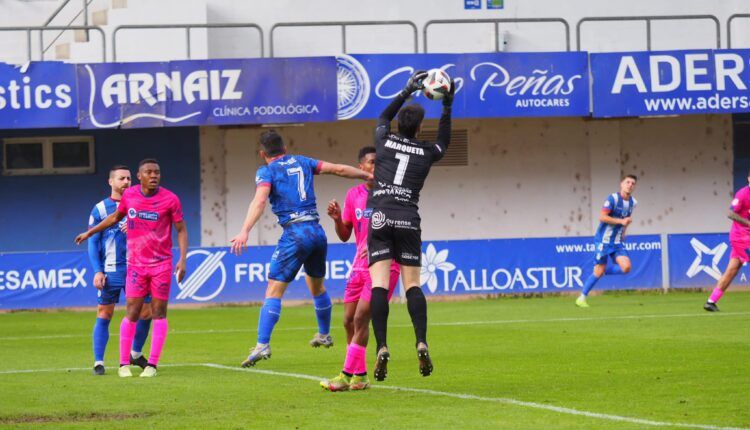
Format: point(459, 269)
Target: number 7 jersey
point(292, 195)
point(401, 167)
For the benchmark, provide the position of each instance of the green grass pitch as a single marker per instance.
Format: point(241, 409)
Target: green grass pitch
point(632, 361)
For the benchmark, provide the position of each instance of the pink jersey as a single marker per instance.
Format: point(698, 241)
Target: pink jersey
point(740, 206)
point(356, 212)
point(150, 225)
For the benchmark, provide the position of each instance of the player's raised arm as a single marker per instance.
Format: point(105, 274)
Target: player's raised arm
point(444, 126)
point(105, 224)
point(344, 171)
point(384, 121)
point(254, 211)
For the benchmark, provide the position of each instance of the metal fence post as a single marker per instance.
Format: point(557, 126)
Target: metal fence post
point(665, 262)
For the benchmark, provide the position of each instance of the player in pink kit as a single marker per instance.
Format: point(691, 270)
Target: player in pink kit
point(739, 238)
point(151, 210)
point(356, 217)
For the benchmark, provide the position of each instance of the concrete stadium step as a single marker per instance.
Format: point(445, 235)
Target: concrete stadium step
point(81, 46)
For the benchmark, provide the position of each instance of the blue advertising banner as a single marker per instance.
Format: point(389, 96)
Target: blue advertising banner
point(487, 85)
point(516, 266)
point(698, 260)
point(531, 265)
point(670, 82)
point(65, 279)
point(207, 92)
point(38, 95)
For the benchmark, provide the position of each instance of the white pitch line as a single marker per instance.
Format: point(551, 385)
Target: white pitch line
point(576, 319)
point(67, 369)
point(504, 400)
point(434, 324)
point(79, 369)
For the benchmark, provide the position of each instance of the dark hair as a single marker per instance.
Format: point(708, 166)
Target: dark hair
point(409, 119)
point(631, 176)
point(147, 161)
point(366, 150)
point(118, 167)
point(272, 143)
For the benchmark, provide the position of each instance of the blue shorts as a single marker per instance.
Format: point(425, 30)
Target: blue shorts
point(110, 294)
point(614, 250)
point(302, 243)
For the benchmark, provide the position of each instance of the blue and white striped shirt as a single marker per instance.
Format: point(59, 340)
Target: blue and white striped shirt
point(108, 249)
point(619, 208)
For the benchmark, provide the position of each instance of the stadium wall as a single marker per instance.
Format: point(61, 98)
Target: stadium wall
point(224, 43)
point(46, 212)
point(741, 149)
point(526, 177)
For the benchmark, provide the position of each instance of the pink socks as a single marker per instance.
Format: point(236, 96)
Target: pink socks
point(355, 362)
point(716, 295)
point(158, 337)
point(127, 333)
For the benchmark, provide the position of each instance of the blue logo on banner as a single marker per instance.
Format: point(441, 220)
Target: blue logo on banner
point(487, 85)
point(353, 86)
point(206, 276)
point(207, 92)
point(472, 4)
point(670, 82)
point(698, 260)
point(39, 95)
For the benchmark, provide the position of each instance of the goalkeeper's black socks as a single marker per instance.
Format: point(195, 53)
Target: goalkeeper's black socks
point(379, 311)
point(417, 305)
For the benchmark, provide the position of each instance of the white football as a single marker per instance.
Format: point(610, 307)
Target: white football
point(436, 84)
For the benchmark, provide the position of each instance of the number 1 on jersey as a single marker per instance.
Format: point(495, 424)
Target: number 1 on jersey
point(403, 163)
point(297, 171)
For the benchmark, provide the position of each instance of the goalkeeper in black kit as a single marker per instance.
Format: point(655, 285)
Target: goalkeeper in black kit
point(403, 163)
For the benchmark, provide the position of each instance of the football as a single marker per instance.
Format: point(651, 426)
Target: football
point(436, 84)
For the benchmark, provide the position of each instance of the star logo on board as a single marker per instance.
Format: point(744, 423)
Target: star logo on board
point(706, 259)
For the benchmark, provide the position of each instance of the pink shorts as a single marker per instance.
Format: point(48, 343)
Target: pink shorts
point(142, 281)
point(740, 251)
point(359, 286)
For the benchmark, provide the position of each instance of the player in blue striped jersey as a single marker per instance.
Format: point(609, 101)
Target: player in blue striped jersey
point(108, 256)
point(614, 219)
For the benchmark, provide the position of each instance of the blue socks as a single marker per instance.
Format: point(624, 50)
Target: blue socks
point(589, 284)
point(101, 337)
point(141, 333)
point(269, 316)
point(271, 312)
point(323, 308)
point(612, 269)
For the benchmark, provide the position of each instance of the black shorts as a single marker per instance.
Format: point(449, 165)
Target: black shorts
point(395, 234)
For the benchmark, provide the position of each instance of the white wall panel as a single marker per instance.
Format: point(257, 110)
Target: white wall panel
point(526, 177)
